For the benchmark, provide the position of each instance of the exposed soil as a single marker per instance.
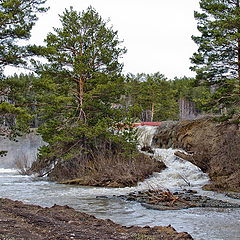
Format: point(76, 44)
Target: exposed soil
point(28, 222)
point(212, 146)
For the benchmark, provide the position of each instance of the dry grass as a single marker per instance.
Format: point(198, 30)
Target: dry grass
point(107, 170)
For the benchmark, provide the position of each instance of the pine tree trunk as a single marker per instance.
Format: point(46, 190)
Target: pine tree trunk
point(238, 5)
point(152, 112)
point(187, 109)
point(238, 59)
point(81, 115)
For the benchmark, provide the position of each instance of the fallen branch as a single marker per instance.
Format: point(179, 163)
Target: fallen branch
point(157, 196)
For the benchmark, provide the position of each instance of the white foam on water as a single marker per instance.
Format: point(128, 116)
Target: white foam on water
point(11, 173)
point(145, 135)
point(8, 170)
point(178, 174)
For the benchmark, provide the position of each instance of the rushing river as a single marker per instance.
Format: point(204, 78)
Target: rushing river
point(201, 223)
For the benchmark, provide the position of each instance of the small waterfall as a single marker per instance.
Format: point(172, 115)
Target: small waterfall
point(178, 174)
point(145, 135)
point(201, 223)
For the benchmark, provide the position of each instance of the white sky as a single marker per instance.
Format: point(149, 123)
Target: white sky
point(156, 33)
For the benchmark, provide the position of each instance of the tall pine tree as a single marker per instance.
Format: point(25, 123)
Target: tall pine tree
point(84, 55)
point(78, 94)
point(217, 61)
point(78, 87)
point(17, 18)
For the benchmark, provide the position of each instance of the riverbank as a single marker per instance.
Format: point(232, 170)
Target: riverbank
point(24, 221)
point(98, 169)
point(212, 145)
point(219, 223)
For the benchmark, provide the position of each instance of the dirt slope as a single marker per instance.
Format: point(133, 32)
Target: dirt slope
point(212, 146)
point(29, 222)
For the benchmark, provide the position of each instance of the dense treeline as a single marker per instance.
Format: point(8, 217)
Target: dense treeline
point(141, 97)
point(78, 95)
point(71, 99)
point(153, 97)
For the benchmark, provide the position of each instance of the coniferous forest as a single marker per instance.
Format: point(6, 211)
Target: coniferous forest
point(161, 142)
point(76, 94)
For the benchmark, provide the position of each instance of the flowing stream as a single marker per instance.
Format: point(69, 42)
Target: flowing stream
point(201, 223)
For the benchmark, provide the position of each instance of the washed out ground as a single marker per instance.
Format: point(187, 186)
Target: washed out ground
point(28, 222)
point(210, 144)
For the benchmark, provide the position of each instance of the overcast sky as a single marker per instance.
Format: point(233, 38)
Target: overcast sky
point(156, 33)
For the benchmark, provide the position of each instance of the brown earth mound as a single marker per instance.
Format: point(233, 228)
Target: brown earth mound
point(212, 146)
point(103, 170)
point(114, 171)
point(25, 222)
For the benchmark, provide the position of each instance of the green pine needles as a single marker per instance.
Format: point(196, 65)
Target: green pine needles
point(17, 17)
point(217, 61)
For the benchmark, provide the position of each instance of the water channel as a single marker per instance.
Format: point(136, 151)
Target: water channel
point(201, 223)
